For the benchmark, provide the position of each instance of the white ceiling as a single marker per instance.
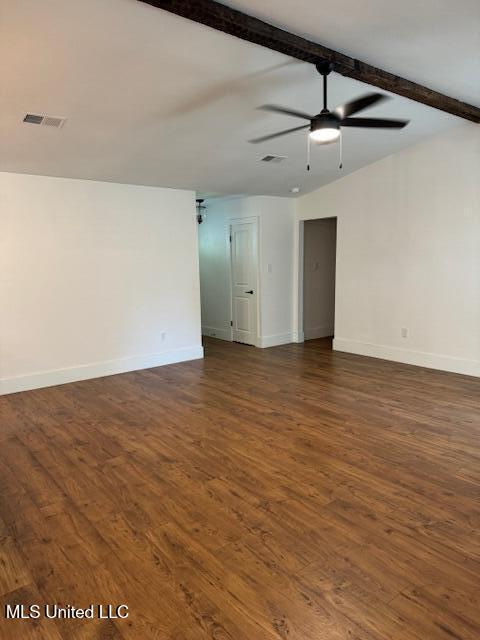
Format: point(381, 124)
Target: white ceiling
point(152, 98)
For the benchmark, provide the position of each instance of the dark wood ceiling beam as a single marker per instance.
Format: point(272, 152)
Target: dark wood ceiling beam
point(241, 25)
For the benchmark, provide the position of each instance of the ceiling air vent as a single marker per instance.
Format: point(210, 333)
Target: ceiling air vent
point(271, 158)
point(46, 121)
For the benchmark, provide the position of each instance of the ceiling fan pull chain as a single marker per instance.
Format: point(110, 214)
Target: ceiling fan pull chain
point(308, 153)
point(340, 147)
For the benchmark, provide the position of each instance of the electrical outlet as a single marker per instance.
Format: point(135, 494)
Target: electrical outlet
point(404, 332)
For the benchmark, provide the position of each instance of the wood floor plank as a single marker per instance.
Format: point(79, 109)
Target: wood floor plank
point(14, 573)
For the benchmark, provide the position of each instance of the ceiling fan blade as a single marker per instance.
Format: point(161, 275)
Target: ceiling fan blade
point(273, 108)
point(278, 134)
point(354, 106)
point(374, 123)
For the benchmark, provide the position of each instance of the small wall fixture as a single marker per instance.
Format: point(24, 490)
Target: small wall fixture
point(201, 208)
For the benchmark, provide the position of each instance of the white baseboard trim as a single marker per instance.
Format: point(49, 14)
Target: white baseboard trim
point(298, 336)
point(275, 340)
point(419, 358)
point(97, 370)
point(215, 332)
point(318, 332)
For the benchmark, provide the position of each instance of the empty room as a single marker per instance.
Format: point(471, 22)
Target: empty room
point(239, 320)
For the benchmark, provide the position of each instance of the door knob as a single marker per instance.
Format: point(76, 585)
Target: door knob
point(251, 291)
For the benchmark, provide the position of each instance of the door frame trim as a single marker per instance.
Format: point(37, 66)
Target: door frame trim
point(228, 229)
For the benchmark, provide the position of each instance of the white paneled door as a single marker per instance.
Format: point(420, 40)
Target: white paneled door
point(243, 249)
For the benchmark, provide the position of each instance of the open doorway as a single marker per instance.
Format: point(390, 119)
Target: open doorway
point(319, 267)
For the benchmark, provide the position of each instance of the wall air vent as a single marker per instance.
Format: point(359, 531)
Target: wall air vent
point(271, 158)
point(46, 121)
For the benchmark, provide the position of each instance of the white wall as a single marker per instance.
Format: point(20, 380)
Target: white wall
point(95, 278)
point(319, 278)
point(408, 253)
point(276, 217)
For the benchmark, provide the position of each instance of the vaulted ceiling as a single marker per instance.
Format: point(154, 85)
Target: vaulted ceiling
point(152, 98)
point(433, 42)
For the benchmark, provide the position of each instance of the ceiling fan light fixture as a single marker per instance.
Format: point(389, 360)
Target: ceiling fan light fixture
point(325, 135)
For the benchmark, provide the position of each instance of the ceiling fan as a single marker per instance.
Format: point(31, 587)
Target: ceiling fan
point(325, 127)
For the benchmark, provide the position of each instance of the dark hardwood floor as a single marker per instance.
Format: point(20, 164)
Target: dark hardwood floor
point(287, 493)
